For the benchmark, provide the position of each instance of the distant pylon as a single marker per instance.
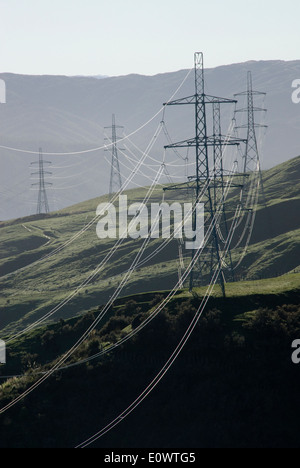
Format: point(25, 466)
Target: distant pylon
point(115, 183)
point(42, 204)
point(251, 157)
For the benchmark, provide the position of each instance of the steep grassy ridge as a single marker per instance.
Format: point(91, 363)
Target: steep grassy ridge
point(29, 293)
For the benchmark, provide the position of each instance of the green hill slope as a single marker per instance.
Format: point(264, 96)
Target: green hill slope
point(275, 244)
point(31, 289)
point(233, 385)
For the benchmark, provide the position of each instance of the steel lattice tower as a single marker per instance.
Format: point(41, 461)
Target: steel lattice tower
point(42, 204)
point(115, 173)
point(251, 157)
point(205, 172)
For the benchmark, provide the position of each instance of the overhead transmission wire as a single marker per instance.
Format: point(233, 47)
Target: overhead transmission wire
point(223, 261)
point(85, 282)
point(147, 165)
point(162, 371)
point(171, 360)
point(71, 350)
point(133, 161)
point(155, 160)
point(252, 202)
point(150, 166)
point(125, 184)
point(150, 191)
point(93, 220)
point(84, 338)
point(250, 226)
point(59, 306)
point(81, 286)
point(92, 150)
point(138, 265)
point(157, 250)
point(77, 344)
point(155, 312)
point(9, 193)
point(148, 177)
point(165, 301)
point(96, 217)
point(129, 169)
point(53, 310)
point(92, 326)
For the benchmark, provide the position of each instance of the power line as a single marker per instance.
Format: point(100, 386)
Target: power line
point(251, 157)
point(93, 150)
point(107, 257)
point(202, 143)
point(216, 213)
point(180, 346)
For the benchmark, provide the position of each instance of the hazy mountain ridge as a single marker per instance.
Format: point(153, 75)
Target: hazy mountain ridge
point(67, 114)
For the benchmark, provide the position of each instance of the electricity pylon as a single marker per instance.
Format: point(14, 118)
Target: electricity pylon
point(251, 157)
point(208, 183)
point(42, 204)
point(115, 173)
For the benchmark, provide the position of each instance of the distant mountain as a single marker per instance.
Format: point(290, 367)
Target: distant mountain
point(68, 114)
point(98, 77)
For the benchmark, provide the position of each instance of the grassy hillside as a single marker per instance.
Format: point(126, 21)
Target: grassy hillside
point(275, 244)
point(234, 384)
point(30, 289)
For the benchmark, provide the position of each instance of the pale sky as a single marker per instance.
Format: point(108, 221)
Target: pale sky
point(119, 37)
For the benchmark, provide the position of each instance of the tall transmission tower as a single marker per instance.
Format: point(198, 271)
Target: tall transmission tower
point(251, 158)
point(209, 178)
point(42, 204)
point(115, 173)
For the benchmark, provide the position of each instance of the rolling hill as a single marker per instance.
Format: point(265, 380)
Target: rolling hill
point(34, 282)
point(233, 385)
